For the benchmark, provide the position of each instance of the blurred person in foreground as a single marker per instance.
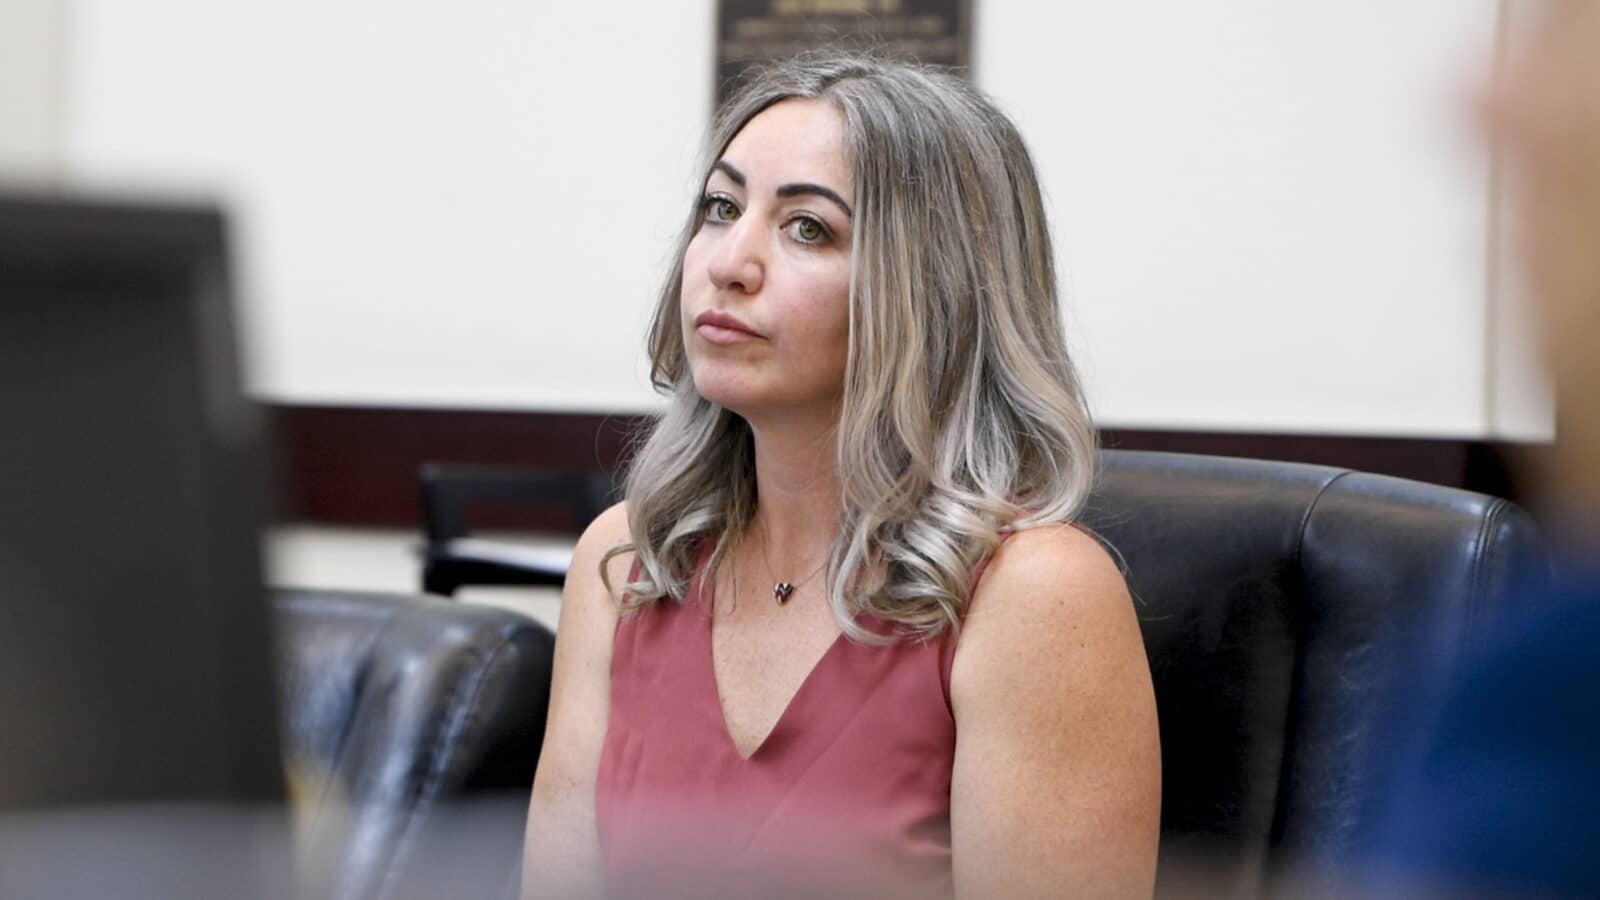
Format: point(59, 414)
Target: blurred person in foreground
point(1499, 794)
point(842, 637)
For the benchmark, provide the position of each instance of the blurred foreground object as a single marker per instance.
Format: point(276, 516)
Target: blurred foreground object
point(139, 715)
point(1494, 774)
point(1543, 111)
point(1492, 783)
point(139, 752)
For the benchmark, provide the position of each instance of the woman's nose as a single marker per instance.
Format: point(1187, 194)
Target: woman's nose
point(739, 263)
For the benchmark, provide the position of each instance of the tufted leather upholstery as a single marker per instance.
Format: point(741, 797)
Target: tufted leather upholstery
point(414, 724)
point(1276, 601)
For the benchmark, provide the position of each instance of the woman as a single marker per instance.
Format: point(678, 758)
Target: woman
point(839, 639)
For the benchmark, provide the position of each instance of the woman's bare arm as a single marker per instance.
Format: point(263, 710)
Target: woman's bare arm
point(561, 857)
point(1057, 783)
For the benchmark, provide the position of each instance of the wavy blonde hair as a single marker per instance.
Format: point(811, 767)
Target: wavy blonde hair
point(962, 415)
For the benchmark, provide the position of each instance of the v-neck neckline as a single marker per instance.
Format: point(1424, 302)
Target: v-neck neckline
point(709, 600)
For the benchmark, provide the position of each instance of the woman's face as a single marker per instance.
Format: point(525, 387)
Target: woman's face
point(766, 279)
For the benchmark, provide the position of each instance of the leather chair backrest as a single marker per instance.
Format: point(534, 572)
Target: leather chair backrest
point(1277, 601)
point(412, 726)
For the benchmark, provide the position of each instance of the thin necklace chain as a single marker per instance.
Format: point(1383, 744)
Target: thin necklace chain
point(781, 590)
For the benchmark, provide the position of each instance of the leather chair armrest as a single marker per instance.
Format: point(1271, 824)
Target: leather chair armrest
point(413, 725)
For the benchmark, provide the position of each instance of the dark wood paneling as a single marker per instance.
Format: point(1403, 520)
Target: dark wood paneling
point(1447, 462)
point(358, 465)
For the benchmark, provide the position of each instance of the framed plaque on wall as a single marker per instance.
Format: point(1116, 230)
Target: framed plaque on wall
point(937, 32)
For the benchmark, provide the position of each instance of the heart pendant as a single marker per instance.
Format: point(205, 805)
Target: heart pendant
point(782, 590)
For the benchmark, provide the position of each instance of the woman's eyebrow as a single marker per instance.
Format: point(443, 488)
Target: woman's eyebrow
point(727, 169)
point(787, 190)
point(792, 190)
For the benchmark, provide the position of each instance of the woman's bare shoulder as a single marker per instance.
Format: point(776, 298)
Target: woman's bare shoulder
point(1050, 570)
point(609, 530)
point(1051, 595)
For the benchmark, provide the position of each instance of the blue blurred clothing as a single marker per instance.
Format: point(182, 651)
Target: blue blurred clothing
point(1493, 781)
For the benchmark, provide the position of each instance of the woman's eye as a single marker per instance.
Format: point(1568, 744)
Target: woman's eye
point(721, 209)
point(808, 230)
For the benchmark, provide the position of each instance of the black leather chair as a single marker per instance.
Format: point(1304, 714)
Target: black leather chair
point(413, 726)
point(1278, 602)
point(451, 493)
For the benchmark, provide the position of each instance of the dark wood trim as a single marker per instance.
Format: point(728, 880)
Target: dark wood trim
point(1474, 465)
point(358, 465)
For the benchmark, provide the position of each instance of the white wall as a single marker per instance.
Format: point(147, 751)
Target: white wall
point(1271, 216)
point(31, 66)
point(452, 206)
point(388, 561)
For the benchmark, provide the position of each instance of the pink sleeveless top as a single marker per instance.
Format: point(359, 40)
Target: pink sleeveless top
point(849, 796)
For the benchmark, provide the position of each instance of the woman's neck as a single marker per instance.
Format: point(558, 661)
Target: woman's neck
point(797, 489)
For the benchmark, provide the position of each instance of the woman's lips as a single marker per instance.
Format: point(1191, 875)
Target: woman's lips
point(721, 328)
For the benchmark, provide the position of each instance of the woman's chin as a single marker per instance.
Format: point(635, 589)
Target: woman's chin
point(756, 400)
point(729, 393)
